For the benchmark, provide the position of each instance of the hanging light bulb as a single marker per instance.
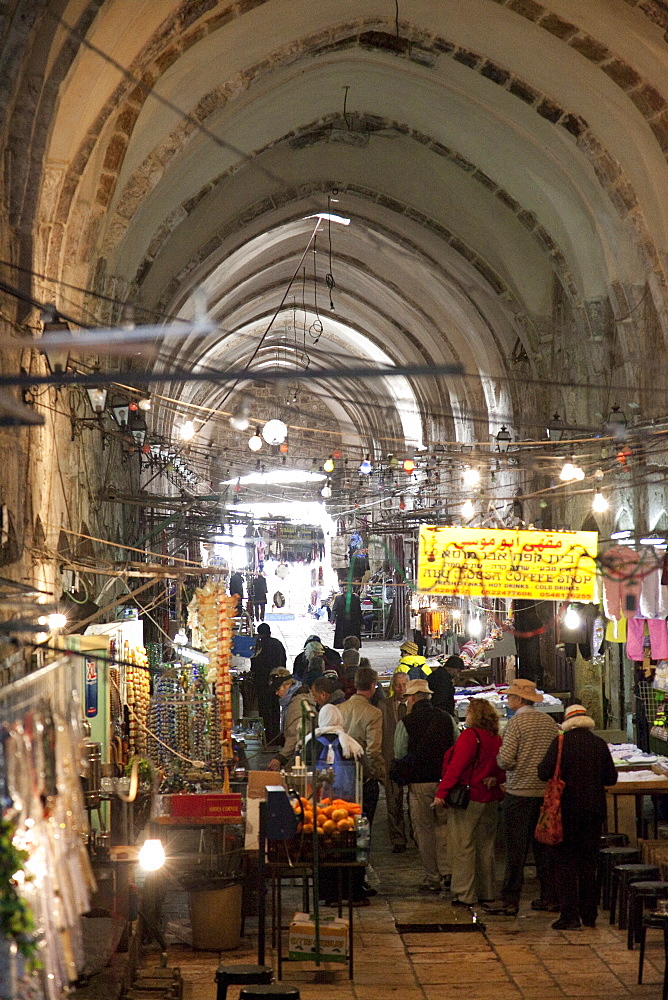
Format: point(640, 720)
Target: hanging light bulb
point(144, 404)
point(456, 614)
point(255, 442)
point(468, 510)
point(572, 619)
point(366, 468)
point(571, 472)
point(475, 627)
point(239, 419)
point(326, 491)
point(187, 431)
point(599, 504)
point(283, 448)
point(328, 464)
point(274, 432)
point(151, 855)
point(393, 461)
point(471, 476)
point(55, 621)
point(409, 466)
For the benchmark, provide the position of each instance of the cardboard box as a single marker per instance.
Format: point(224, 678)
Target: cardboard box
point(333, 938)
point(204, 806)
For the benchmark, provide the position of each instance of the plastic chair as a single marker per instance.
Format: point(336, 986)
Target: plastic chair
point(642, 895)
point(241, 975)
point(660, 921)
point(622, 877)
point(608, 857)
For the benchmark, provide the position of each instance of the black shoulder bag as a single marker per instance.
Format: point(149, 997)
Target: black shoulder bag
point(460, 795)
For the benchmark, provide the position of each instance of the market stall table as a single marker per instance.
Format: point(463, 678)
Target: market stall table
point(632, 784)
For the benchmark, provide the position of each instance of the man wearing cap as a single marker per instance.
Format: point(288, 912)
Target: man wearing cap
point(586, 768)
point(291, 695)
point(411, 662)
point(422, 738)
point(525, 742)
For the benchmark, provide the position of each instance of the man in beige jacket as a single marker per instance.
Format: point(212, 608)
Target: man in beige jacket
point(364, 722)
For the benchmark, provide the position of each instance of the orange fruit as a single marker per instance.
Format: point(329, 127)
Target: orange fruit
point(339, 814)
point(307, 828)
point(329, 826)
point(322, 819)
point(342, 825)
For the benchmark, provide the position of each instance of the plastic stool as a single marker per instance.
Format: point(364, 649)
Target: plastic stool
point(241, 975)
point(277, 991)
point(607, 859)
point(614, 840)
point(622, 876)
point(642, 895)
point(660, 921)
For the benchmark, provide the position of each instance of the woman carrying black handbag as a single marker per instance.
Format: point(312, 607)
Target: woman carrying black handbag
point(470, 788)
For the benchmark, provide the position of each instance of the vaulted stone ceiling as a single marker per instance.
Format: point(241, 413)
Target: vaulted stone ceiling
point(503, 165)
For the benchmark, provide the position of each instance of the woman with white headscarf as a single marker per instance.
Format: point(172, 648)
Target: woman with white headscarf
point(330, 731)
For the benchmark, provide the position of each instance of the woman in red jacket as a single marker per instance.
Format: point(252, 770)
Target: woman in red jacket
point(472, 831)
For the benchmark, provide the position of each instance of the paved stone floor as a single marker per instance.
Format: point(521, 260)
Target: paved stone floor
point(504, 959)
point(496, 958)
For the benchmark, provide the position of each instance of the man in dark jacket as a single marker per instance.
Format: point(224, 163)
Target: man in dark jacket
point(347, 616)
point(423, 736)
point(269, 655)
point(326, 691)
point(442, 688)
point(587, 768)
point(258, 595)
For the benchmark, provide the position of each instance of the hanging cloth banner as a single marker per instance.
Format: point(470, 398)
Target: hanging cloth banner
point(494, 562)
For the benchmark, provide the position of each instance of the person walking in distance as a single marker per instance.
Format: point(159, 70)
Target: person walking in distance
point(394, 709)
point(528, 735)
point(421, 740)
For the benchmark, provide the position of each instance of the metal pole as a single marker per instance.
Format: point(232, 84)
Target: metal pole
point(316, 845)
point(262, 889)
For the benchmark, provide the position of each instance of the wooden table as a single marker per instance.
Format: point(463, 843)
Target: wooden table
point(283, 869)
point(637, 789)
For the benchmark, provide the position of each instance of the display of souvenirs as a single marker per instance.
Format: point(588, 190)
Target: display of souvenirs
point(137, 697)
point(211, 616)
point(43, 801)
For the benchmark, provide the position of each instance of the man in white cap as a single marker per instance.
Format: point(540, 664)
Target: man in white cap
point(423, 737)
point(528, 735)
point(586, 768)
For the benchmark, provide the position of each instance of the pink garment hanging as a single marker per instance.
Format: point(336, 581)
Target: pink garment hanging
point(635, 638)
point(621, 586)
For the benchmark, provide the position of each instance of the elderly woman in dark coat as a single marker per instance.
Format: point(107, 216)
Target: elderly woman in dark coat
point(586, 768)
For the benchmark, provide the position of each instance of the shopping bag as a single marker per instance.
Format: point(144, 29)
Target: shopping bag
point(549, 828)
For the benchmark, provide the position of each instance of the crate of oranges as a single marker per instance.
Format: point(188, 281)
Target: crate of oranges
point(335, 823)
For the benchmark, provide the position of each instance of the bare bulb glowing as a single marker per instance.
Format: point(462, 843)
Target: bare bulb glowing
point(475, 627)
point(152, 855)
point(572, 619)
point(255, 442)
point(471, 477)
point(599, 504)
point(55, 621)
point(467, 510)
point(187, 432)
point(328, 464)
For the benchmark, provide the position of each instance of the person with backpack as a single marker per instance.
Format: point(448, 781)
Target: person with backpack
point(335, 749)
point(421, 740)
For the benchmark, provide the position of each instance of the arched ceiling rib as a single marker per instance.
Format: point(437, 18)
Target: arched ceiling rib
point(489, 167)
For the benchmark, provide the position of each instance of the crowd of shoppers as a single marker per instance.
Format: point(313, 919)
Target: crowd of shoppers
point(458, 786)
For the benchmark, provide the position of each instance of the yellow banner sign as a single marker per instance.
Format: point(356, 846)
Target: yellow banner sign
point(494, 562)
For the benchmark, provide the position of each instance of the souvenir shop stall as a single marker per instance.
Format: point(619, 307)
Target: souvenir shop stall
point(48, 881)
